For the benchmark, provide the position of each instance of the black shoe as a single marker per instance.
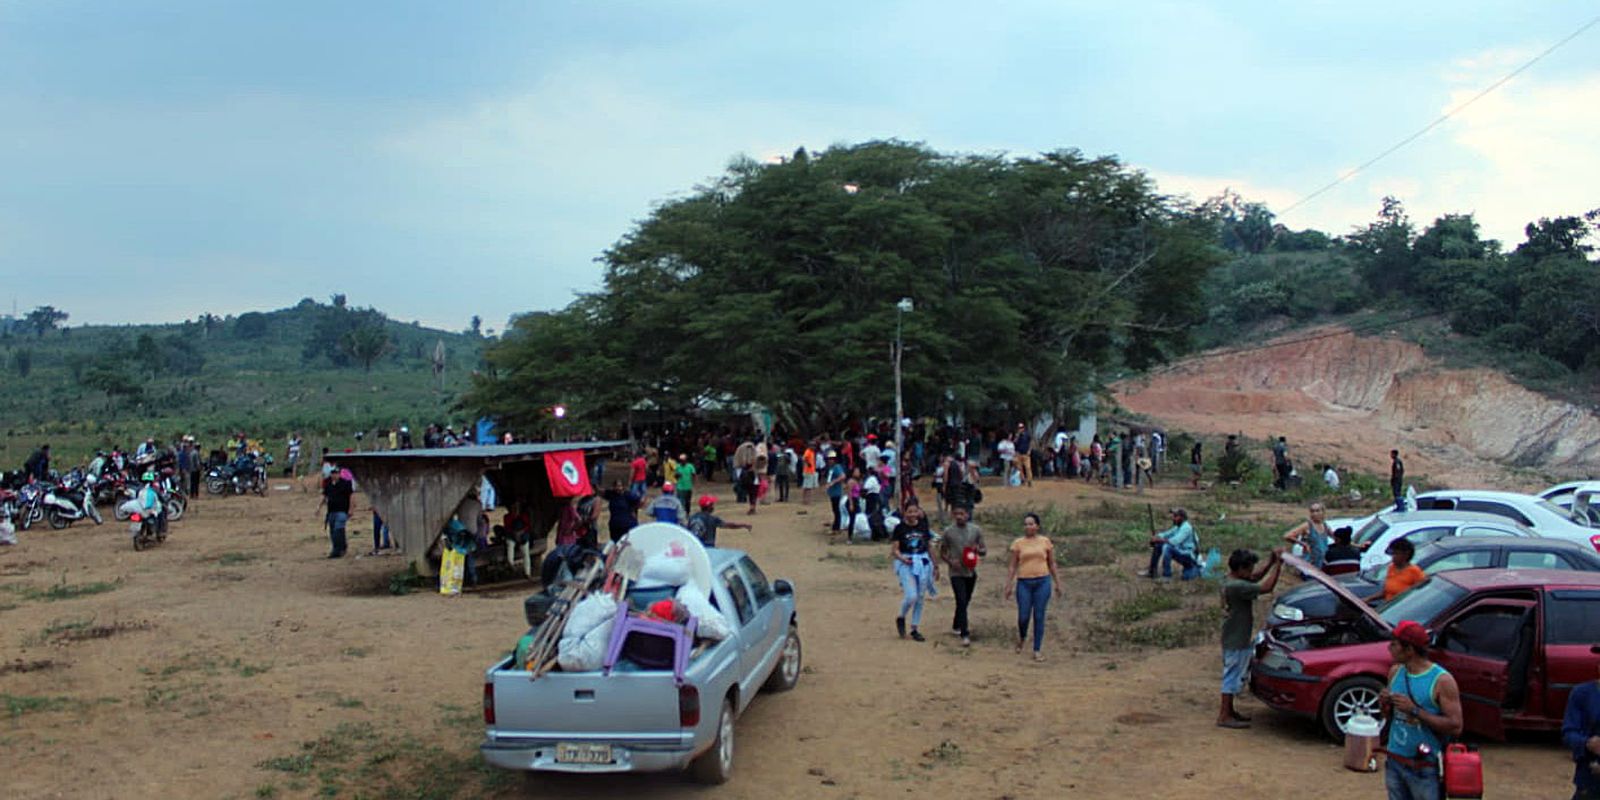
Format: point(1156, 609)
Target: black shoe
point(900, 625)
point(915, 636)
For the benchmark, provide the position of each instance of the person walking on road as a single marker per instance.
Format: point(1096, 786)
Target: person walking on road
point(914, 567)
point(1031, 577)
point(961, 547)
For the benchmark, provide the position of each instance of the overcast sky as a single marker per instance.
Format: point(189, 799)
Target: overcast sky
point(439, 160)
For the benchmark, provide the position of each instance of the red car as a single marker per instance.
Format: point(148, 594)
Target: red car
point(1517, 642)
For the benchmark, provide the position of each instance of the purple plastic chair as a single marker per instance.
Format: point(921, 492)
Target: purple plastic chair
point(629, 624)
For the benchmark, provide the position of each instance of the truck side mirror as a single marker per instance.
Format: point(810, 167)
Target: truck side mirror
point(783, 587)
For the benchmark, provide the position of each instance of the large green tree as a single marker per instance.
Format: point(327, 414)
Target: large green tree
point(1032, 279)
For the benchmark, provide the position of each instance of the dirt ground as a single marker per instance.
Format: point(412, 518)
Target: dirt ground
point(235, 661)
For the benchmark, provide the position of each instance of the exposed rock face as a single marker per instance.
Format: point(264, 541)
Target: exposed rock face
point(1349, 399)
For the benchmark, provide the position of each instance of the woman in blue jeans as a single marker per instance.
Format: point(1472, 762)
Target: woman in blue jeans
point(1032, 577)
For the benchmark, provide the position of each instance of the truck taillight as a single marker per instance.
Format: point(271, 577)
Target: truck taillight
point(688, 706)
point(488, 702)
point(1595, 540)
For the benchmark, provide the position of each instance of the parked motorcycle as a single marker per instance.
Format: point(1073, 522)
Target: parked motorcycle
point(238, 478)
point(30, 505)
point(69, 502)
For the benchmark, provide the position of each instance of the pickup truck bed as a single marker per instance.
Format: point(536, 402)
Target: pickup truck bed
point(646, 720)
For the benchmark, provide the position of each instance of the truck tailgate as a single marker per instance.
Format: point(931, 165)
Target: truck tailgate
point(639, 707)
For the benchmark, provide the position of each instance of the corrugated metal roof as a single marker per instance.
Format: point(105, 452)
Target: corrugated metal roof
point(487, 451)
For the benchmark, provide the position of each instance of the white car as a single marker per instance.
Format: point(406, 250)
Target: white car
point(1566, 495)
point(1530, 511)
point(1426, 527)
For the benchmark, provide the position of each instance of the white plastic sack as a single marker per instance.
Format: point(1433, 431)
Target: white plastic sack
point(863, 529)
point(590, 613)
point(709, 622)
point(8, 532)
point(665, 569)
point(588, 652)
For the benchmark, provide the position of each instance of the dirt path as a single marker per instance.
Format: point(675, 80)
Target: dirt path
point(205, 667)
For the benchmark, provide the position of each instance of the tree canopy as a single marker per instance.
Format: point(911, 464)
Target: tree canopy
point(1032, 278)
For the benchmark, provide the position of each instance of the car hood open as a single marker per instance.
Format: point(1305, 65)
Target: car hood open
point(1339, 588)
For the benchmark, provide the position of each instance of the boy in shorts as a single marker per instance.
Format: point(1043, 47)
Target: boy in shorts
point(1239, 592)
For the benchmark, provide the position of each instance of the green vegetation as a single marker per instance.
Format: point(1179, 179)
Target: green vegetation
point(1530, 312)
point(65, 591)
point(1143, 606)
point(324, 369)
point(1031, 279)
point(17, 705)
point(356, 758)
point(234, 559)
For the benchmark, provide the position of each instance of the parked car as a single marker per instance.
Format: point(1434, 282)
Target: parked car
point(1517, 642)
point(1426, 527)
point(1313, 601)
point(1531, 511)
point(1565, 495)
point(640, 721)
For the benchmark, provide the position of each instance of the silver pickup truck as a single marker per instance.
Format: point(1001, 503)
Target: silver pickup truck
point(645, 721)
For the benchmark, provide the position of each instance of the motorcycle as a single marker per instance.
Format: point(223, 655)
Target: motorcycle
point(69, 502)
point(145, 529)
point(30, 505)
point(239, 478)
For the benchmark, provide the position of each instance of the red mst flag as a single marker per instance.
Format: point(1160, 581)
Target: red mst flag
point(568, 476)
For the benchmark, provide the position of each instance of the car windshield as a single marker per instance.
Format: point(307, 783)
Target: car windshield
point(1370, 532)
point(1422, 603)
point(1565, 513)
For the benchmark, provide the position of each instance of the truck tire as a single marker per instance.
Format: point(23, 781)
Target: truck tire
point(1347, 697)
point(786, 673)
point(715, 765)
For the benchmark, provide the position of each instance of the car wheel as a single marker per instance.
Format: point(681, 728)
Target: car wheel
point(786, 673)
point(1348, 698)
point(715, 765)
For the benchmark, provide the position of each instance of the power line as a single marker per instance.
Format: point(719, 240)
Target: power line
point(1446, 115)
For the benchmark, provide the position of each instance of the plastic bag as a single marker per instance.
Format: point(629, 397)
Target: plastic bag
point(8, 532)
point(588, 652)
point(589, 614)
point(452, 568)
point(1213, 564)
point(709, 622)
point(665, 569)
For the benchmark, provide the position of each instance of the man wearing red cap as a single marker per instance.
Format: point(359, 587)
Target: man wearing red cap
point(1424, 707)
point(704, 525)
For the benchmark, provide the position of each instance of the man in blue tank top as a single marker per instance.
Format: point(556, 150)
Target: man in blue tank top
point(1424, 707)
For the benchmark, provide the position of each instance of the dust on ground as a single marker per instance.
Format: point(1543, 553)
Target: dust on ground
point(235, 661)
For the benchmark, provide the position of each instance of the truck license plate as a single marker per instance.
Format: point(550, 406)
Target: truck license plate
point(583, 753)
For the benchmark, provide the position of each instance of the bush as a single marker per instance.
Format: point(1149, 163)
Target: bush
point(1236, 467)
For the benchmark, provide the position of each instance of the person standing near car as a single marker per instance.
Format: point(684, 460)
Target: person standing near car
point(1402, 574)
point(1397, 479)
point(960, 547)
point(1580, 732)
point(1423, 705)
point(1239, 592)
point(1312, 535)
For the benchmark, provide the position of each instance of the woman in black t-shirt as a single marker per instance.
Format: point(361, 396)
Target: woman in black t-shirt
point(914, 566)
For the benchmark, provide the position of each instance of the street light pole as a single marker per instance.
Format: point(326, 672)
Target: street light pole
point(900, 310)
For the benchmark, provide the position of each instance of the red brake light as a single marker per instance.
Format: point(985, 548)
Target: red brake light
point(688, 706)
point(488, 702)
point(136, 518)
point(1595, 540)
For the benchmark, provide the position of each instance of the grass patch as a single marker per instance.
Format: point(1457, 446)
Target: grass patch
point(65, 591)
point(1194, 628)
point(349, 702)
point(1143, 606)
point(407, 581)
point(355, 652)
point(17, 705)
point(247, 670)
point(876, 559)
point(357, 759)
point(237, 559)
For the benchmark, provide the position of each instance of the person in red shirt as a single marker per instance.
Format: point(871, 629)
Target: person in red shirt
point(639, 468)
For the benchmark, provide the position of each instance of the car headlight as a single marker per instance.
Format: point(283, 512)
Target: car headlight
point(1288, 612)
point(1279, 661)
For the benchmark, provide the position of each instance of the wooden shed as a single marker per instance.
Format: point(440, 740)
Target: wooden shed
point(416, 491)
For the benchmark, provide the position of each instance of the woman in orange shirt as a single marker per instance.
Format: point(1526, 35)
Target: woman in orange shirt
point(1031, 576)
point(1402, 574)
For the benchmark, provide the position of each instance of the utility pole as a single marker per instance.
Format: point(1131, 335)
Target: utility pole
point(900, 310)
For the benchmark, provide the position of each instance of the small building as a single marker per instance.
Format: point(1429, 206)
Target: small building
point(417, 491)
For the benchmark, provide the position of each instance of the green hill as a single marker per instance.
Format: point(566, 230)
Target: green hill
point(266, 373)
